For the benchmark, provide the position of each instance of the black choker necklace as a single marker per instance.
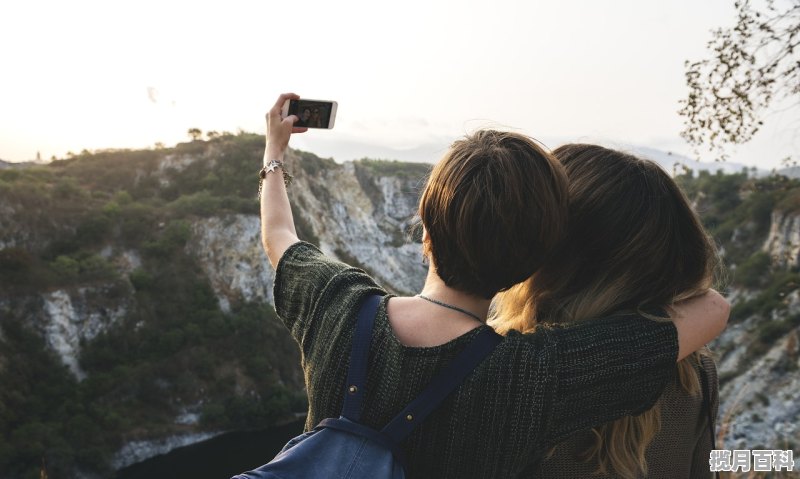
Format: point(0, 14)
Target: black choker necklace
point(450, 306)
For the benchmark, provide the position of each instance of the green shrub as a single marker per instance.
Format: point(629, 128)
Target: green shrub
point(200, 204)
point(770, 298)
point(112, 209)
point(770, 331)
point(123, 198)
point(790, 202)
point(93, 230)
point(401, 169)
point(137, 222)
point(312, 164)
point(95, 267)
point(141, 279)
point(212, 414)
point(66, 267)
point(172, 239)
point(15, 260)
point(754, 271)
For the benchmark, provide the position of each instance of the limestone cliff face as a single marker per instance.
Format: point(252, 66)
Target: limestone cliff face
point(67, 317)
point(351, 214)
point(758, 399)
point(230, 253)
point(364, 220)
point(759, 356)
point(783, 241)
point(366, 230)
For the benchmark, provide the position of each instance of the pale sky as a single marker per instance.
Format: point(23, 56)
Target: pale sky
point(122, 74)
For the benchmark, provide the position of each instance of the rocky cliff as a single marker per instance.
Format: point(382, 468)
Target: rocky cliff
point(759, 353)
point(133, 285)
point(137, 272)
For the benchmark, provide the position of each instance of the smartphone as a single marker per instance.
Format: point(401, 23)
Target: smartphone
point(311, 113)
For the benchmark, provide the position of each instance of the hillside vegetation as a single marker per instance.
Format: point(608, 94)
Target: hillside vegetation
point(175, 351)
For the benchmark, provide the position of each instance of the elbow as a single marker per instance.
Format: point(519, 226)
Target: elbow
point(267, 244)
point(722, 313)
point(265, 241)
point(700, 320)
point(275, 242)
point(717, 311)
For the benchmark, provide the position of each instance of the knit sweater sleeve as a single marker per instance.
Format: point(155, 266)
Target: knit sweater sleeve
point(608, 368)
point(311, 287)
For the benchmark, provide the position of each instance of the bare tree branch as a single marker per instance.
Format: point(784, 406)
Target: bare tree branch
point(752, 65)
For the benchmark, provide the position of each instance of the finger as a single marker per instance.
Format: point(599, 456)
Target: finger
point(291, 120)
point(286, 123)
point(282, 99)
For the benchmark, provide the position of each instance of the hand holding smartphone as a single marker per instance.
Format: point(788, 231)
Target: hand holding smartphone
point(311, 113)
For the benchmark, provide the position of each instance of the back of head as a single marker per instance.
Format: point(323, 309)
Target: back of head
point(633, 242)
point(493, 207)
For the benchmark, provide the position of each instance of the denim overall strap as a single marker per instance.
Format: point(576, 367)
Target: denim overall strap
point(357, 373)
point(442, 385)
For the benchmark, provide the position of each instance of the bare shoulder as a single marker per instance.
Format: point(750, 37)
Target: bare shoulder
point(415, 324)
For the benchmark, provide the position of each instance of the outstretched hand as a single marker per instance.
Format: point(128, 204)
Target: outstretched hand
point(279, 130)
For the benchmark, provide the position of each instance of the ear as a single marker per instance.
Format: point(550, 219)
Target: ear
point(426, 246)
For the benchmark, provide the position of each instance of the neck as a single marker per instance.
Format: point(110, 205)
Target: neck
point(435, 288)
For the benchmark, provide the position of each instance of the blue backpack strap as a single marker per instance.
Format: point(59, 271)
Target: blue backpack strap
point(442, 385)
point(343, 424)
point(357, 373)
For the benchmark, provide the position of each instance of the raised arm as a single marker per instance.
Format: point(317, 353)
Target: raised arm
point(699, 320)
point(277, 223)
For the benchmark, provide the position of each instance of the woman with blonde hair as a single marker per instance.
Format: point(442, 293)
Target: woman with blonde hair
point(633, 244)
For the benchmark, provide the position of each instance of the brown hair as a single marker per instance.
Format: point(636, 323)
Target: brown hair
point(493, 207)
point(633, 243)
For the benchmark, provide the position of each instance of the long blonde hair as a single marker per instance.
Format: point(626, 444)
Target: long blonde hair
point(633, 243)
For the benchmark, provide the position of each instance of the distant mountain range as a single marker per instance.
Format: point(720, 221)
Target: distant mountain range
point(670, 161)
point(346, 150)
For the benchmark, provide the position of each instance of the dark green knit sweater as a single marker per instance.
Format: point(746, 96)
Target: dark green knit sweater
point(534, 390)
point(680, 449)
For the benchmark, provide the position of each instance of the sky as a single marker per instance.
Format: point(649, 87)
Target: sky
point(408, 76)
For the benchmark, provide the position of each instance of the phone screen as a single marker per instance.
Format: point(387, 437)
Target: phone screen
point(311, 113)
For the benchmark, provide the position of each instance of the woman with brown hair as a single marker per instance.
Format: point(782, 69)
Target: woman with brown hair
point(492, 209)
point(633, 244)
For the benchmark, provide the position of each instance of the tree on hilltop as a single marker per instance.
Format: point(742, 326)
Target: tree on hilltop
point(195, 133)
point(753, 65)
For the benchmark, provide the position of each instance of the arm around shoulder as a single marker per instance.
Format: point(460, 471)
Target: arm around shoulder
point(699, 320)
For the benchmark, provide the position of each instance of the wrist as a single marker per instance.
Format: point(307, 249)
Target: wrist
point(270, 166)
point(273, 153)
